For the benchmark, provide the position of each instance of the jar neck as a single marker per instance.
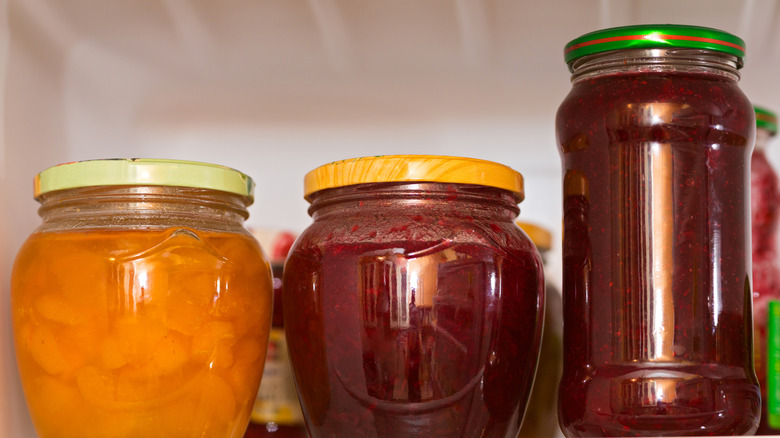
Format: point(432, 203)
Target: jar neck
point(455, 200)
point(678, 60)
point(125, 207)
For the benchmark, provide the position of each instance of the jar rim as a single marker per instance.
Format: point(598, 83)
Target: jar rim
point(413, 168)
point(766, 119)
point(654, 36)
point(143, 172)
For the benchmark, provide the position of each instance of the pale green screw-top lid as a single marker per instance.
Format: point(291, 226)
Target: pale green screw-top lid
point(655, 36)
point(766, 119)
point(144, 172)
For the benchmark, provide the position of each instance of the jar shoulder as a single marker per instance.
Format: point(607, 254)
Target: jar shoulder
point(414, 234)
point(718, 98)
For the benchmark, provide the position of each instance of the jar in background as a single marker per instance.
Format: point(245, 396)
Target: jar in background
point(141, 306)
point(655, 139)
point(413, 303)
point(541, 417)
point(277, 411)
point(765, 208)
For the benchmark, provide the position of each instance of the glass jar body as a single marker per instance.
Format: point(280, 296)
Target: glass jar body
point(140, 311)
point(413, 310)
point(655, 149)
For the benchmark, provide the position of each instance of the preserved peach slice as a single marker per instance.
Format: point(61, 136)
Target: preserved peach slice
point(249, 357)
point(217, 402)
point(57, 308)
point(45, 350)
point(58, 402)
point(212, 343)
point(111, 355)
point(170, 355)
point(137, 337)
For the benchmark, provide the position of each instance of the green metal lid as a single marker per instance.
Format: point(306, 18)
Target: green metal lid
point(648, 36)
point(766, 119)
point(145, 172)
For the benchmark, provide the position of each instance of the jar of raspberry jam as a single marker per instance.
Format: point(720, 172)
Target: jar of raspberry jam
point(655, 139)
point(413, 303)
point(141, 305)
point(765, 208)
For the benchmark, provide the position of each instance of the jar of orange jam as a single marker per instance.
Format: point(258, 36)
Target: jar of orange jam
point(141, 306)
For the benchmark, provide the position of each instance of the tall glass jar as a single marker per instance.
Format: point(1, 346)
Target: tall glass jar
point(655, 139)
point(413, 303)
point(765, 209)
point(141, 306)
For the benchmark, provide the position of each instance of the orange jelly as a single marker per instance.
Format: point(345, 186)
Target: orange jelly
point(141, 331)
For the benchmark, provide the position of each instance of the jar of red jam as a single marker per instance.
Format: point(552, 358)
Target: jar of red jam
point(141, 306)
point(413, 303)
point(765, 209)
point(655, 139)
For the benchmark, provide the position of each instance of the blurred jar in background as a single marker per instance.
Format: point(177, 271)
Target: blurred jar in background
point(541, 418)
point(765, 209)
point(141, 305)
point(277, 411)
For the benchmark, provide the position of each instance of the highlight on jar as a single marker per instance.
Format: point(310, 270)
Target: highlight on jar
point(141, 306)
point(413, 303)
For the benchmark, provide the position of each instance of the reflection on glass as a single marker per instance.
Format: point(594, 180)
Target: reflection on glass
point(645, 306)
point(407, 354)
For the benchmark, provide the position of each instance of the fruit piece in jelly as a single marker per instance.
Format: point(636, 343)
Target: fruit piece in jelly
point(212, 344)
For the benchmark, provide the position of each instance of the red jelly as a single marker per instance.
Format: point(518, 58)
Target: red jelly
point(413, 303)
point(655, 138)
point(765, 209)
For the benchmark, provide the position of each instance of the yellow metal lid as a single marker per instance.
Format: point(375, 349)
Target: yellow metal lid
point(145, 172)
point(407, 168)
point(541, 237)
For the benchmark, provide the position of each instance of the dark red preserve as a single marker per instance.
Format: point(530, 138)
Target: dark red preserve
point(655, 139)
point(765, 209)
point(413, 303)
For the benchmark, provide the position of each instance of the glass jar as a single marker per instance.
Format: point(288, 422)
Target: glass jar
point(765, 209)
point(541, 418)
point(277, 411)
point(141, 306)
point(655, 139)
point(413, 303)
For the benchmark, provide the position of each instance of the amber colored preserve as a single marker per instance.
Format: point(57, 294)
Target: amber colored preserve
point(146, 321)
point(139, 333)
point(656, 147)
point(413, 309)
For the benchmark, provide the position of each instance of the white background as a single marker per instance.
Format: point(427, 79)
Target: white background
point(276, 88)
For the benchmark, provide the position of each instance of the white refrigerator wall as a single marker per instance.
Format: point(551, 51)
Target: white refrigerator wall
point(276, 88)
